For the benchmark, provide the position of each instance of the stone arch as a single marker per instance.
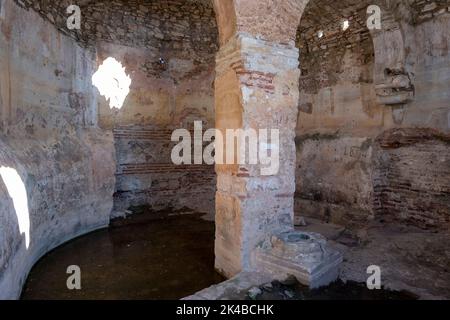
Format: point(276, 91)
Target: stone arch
point(271, 20)
point(337, 101)
point(226, 19)
point(331, 56)
point(391, 72)
point(351, 84)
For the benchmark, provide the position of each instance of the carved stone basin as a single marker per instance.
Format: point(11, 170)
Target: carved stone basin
point(304, 255)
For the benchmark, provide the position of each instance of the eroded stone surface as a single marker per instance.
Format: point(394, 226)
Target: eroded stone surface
point(256, 87)
point(304, 255)
point(343, 114)
point(49, 138)
point(356, 92)
point(186, 28)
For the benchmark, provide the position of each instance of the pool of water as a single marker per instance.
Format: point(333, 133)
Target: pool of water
point(161, 255)
point(164, 255)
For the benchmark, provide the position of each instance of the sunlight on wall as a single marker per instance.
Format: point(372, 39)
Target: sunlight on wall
point(112, 82)
point(18, 193)
point(345, 25)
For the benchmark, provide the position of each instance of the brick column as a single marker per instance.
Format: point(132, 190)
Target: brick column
point(256, 87)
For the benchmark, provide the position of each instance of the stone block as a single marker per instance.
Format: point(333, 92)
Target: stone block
point(303, 255)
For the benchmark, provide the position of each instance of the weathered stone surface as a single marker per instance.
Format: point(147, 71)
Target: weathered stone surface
point(183, 28)
point(280, 21)
point(146, 175)
point(306, 256)
point(248, 205)
point(168, 50)
point(337, 185)
point(355, 87)
point(49, 139)
point(342, 75)
point(411, 178)
point(233, 288)
point(172, 86)
point(360, 161)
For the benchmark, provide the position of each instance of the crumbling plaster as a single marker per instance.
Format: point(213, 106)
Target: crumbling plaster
point(50, 139)
point(258, 84)
point(343, 112)
point(168, 50)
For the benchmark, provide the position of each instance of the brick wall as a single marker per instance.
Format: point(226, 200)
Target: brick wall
point(147, 176)
point(412, 178)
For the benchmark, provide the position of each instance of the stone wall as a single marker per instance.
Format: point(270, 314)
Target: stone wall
point(172, 26)
point(174, 98)
point(146, 175)
point(411, 175)
point(343, 112)
point(338, 108)
point(355, 87)
point(168, 50)
point(334, 178)
point(57, 167)
point(429, 41)
point(172, 86)
point(54, 122)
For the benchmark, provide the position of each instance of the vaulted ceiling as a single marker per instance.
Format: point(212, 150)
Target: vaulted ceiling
point(163, 24)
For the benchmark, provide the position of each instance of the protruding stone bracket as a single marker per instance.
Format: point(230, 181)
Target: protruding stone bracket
point(393, 82)
point(396, 88)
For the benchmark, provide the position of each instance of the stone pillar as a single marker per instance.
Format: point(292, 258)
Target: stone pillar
point(256, 87)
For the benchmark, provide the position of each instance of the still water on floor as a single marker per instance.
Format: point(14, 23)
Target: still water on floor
point(165, 255)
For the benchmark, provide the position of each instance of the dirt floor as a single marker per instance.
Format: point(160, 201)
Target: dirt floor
point(410, 259)
point(292, 290)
